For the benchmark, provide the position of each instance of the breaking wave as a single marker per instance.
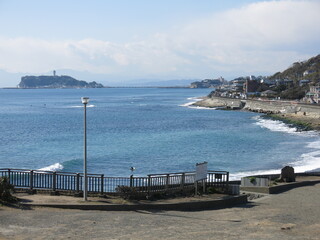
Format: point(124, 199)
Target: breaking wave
point(194, 100)
point(309, 161)
point(81, 106)
point(53, 167)
point(279, 126)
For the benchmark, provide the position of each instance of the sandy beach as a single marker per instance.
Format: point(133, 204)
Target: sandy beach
point(290, 215)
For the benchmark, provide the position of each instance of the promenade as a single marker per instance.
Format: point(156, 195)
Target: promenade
point(294, 214)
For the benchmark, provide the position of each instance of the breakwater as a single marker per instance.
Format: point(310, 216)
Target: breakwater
point(262, 106)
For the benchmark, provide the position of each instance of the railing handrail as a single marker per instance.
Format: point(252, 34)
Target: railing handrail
point(55, 180)
point(95, 174)
point(176, 173)
point(46, 171)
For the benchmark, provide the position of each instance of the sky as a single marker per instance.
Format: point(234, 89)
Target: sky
point(116, 42)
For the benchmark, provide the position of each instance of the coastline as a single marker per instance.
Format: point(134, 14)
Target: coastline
point(280, 117)
point(301, 118)
point(302, 122)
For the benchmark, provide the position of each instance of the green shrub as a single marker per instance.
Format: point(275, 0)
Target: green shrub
point(128, 193)
point(253, 180)
point(278, 180)
point(212, 190)
point(5, 190)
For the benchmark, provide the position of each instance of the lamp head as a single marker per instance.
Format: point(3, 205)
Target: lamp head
point(84, 100)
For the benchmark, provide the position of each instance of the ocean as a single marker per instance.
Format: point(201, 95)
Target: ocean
point(154, 130)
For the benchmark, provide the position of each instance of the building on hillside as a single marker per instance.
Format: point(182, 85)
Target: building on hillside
point(307, 72)
point(268, 94)
point(303, 82)
point(313, 96)
point(268, 82)
point(286, 82)
point(250, 87)
point(208, 83)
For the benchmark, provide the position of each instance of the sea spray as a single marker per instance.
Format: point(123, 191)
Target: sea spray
point(53, 168)
point(280, 126)
point(194, 100)
point(274, 125)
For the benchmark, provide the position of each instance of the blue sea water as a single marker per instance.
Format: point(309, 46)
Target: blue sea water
point(151, 129)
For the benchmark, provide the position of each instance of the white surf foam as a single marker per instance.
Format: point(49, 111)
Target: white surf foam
point(198, 107)
point(307, 161)
point(274, 125)
point(279, 126)
point(53, 167)
point(310, 161)
point(194, 100)
point(238, 176)
point(314, 144)
point(81, 106)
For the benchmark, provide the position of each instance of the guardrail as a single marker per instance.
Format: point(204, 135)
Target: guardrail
point(98, 183)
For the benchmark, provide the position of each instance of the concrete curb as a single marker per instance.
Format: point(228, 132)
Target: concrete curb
point(279, 188)
point(184, 206)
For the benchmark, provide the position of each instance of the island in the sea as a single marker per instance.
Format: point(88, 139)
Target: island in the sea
point(55, 81)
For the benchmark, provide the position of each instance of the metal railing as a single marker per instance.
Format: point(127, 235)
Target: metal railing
point(98, 183)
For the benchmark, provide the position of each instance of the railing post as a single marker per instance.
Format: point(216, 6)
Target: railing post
point(167, 182)
point(54, 181)
point(102, 188)
point(9, 171)
point(149, 184)
point(131, 180)
point(227, 185)
point(78, 182)
point(183, 176)
point(209, 179)
point(31, 180)
point(195, 188)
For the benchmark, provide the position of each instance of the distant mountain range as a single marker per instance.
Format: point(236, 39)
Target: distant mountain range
point(308, 70)
point(159, 83)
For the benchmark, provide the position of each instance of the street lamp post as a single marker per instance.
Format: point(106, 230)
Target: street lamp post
point(85, 101)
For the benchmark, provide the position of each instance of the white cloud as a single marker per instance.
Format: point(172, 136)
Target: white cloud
point(265, 36)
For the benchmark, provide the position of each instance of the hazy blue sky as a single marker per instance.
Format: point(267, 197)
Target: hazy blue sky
point(122, 40)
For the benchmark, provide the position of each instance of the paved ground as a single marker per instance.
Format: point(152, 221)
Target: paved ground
point(110, 200)
point(291, 215)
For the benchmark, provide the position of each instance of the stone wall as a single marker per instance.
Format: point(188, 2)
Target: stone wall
point(263, 106)
point(269, 106)
point(285, 107)
point(220, 102)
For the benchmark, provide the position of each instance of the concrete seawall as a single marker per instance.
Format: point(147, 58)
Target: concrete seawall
point(263, 106)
